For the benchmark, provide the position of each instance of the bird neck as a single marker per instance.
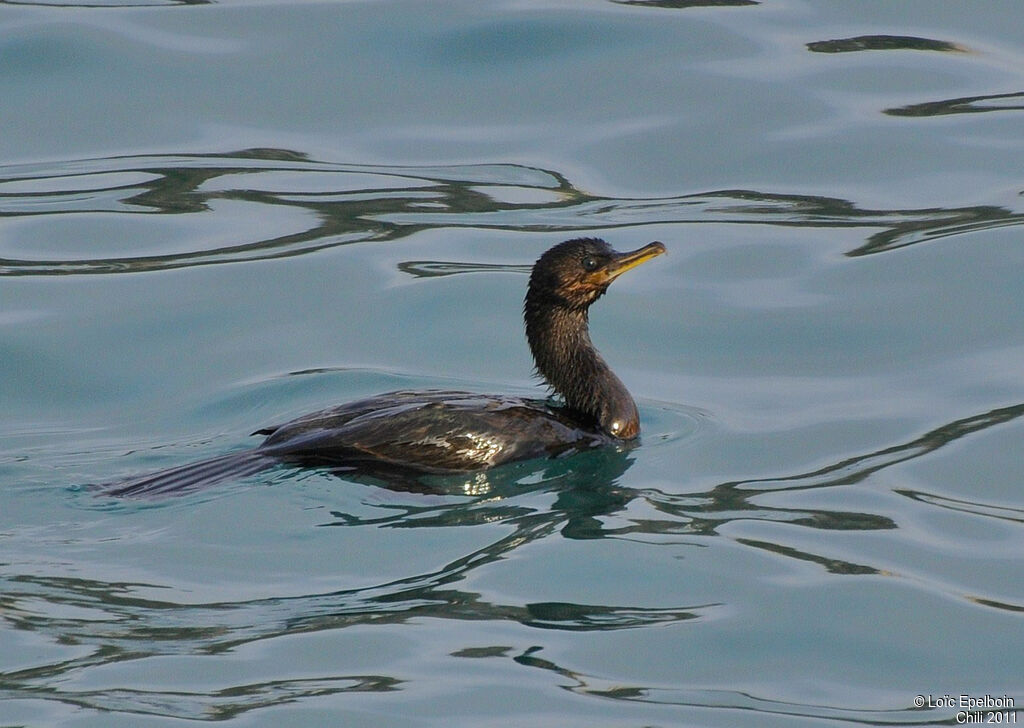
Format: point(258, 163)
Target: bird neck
point(559, 338)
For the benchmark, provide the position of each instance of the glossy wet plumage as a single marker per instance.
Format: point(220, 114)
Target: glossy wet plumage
point(401, 434)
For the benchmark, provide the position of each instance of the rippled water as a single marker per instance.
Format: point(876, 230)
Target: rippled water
point(215, 216)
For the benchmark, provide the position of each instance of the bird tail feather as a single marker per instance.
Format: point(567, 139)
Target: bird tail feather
point(192, 476)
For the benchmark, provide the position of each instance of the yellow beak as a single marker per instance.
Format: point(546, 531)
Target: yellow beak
point(627, 261)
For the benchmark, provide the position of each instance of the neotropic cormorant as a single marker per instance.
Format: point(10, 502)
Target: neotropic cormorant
point(412, 433)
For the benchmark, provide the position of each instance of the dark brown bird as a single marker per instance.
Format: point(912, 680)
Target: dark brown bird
point(407, 433)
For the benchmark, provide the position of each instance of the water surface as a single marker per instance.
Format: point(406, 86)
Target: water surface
point(215, 216)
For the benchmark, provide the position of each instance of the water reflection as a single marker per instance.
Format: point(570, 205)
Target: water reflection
point(962, 105)
point(337, 204)
point(883, 43)
point(584, 499)
point(586, 487)
point(687, 3)
point(706, 513)
point(437, 268)
point(735, 700)
point(212, 705)
point(107, 4)
point(117, 624)
point(1005, 513)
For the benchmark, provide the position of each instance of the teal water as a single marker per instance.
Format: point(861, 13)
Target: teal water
point(217, 216)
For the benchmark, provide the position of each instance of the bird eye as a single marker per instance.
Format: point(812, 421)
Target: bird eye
point(590, 263)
